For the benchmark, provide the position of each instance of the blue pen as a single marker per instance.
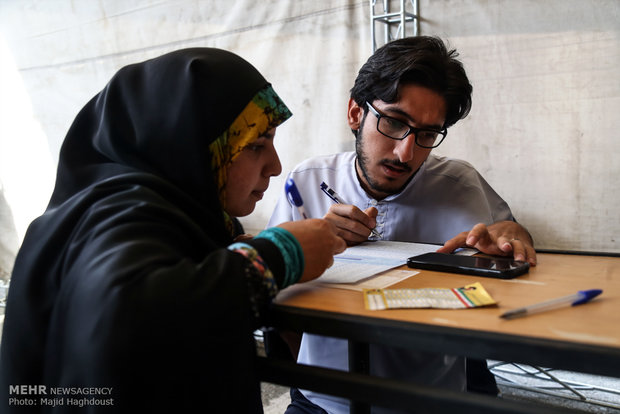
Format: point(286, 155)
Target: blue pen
point(578, 298)
point(337, 199)
point(292, 193)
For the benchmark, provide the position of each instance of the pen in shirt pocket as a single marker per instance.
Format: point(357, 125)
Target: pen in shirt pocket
point(337, 199)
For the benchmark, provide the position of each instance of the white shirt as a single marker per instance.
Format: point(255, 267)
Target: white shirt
point(445, 197)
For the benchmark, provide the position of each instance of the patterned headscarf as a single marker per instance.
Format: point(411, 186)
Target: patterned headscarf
point(264, 112)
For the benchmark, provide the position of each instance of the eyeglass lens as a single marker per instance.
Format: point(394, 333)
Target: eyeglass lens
point(396, 129)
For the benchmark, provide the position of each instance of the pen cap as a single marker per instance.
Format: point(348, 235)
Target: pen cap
point(292, 193)
point(586, 295)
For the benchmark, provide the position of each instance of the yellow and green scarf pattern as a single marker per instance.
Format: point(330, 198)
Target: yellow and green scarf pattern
point(264, 112)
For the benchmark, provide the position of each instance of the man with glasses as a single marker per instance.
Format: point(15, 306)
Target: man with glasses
point(404, 99)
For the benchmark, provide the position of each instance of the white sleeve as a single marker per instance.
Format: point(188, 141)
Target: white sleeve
point(308, 176)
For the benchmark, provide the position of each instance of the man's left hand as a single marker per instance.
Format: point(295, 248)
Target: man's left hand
point(500, 239)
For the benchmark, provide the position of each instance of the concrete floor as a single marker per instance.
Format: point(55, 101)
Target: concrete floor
point(590, 394)
point(275, 398)
point(582, 392)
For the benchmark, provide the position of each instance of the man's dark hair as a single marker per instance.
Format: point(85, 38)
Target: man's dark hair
point(419, 60)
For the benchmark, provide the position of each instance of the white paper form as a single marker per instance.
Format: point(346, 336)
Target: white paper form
point(372, 257)
point(381, 280)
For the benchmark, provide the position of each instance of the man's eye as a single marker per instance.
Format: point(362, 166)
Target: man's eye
point(394, 123)
point(428, 134)
point(255, 147)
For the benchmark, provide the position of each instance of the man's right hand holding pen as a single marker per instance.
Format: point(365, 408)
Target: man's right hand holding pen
point(352, 224)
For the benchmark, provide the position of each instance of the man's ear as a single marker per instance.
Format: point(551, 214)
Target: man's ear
point(355, 114)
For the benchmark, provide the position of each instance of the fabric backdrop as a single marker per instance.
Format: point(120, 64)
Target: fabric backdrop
point(543, 129)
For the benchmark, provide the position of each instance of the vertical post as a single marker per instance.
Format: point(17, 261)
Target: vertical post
point(372, 25)
point(393, 20)
point(359, 362)
point(386, 27)
point(416, 17)
point(403, 19)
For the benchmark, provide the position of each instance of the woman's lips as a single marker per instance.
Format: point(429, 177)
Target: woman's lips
point(258, 194)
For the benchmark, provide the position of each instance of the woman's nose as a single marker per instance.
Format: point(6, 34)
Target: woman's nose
point(273, 167)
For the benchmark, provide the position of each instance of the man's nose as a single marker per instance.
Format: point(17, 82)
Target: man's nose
point(404, 148)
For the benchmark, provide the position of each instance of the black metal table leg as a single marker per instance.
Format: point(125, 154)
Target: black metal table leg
point(359, 362)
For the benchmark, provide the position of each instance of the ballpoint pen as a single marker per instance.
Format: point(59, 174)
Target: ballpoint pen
point(292, 193)
point(578, 298)
point(337, 199)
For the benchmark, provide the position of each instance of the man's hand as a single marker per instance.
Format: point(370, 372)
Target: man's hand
point(352, 224)
point(501, 239)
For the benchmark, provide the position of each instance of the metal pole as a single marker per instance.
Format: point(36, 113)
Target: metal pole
point(372, 25)
point(416, 17)
point(402, 19)
point(386, 29)
point(396, 19)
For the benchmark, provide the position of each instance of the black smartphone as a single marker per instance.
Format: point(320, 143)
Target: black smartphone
point(498, 267)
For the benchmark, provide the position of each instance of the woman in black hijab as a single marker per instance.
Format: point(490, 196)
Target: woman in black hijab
point(130, 292)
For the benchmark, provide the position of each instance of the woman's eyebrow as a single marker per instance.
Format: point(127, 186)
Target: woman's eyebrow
point(268, 135)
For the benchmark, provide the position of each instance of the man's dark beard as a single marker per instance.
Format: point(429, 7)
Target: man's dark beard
point(362, 161)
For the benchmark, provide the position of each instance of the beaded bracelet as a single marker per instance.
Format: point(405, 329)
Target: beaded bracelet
point(252, 255)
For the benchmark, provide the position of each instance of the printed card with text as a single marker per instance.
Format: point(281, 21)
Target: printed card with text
point(470, 296)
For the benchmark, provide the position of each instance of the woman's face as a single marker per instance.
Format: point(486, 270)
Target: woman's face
point(247, 177)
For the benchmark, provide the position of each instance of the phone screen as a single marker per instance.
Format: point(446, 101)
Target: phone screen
point(500, 267)
point(484, 262)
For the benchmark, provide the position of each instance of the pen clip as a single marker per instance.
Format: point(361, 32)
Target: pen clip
point(329, 192)
point(292, 193)
point(586, 295)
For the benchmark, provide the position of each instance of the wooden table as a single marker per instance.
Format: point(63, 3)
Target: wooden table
point(584, 339)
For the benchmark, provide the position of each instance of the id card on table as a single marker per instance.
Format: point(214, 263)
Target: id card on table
point(470, 296)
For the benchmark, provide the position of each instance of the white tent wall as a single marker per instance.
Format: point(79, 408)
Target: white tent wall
point(56, 55)
point(544, 124)
point(543, 128)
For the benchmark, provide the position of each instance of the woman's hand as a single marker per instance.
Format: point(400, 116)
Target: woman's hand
point(243, 237)
point(319, 242)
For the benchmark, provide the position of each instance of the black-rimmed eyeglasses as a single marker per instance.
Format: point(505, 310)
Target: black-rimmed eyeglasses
point(396, 129)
